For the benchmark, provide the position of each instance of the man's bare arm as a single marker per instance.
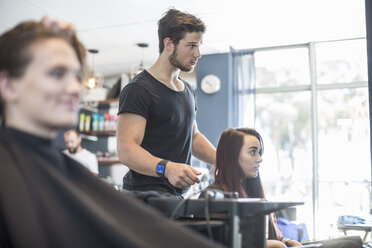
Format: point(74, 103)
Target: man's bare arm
point(202, 148)
point(130, 133)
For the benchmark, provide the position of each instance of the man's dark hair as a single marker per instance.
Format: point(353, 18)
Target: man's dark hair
point(174, 24)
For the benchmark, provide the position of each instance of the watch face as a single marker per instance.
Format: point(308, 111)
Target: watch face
point(210, 84)
point(160, 169)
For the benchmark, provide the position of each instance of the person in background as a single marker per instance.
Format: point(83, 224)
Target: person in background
point(48, 199)
point(77, 152)
point(239, 154)
point(157, 130)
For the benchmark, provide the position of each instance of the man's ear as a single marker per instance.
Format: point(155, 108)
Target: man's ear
point(168, 44)
point(8, 89)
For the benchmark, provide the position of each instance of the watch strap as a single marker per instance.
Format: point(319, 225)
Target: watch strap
point(160, 167)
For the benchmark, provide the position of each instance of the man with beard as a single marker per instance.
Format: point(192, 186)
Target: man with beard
point(77, 152)
point(157, 131)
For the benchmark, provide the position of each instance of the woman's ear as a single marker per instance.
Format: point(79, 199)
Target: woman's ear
point(8, 89)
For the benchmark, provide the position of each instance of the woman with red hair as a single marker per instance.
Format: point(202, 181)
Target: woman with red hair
point(238, 159)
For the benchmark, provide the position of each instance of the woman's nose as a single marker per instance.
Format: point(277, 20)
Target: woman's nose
point(74, 85)
point(259, 159)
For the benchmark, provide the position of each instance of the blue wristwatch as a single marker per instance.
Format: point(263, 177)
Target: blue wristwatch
point(160, 167)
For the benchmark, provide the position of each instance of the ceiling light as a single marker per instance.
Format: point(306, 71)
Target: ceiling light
point(95, 79)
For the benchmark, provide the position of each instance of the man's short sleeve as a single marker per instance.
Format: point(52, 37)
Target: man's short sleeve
point(136, 100)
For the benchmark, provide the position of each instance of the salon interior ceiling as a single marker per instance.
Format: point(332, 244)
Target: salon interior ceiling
point(114, 27)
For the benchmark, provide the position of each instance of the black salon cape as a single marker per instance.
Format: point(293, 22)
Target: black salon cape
point(49, 200)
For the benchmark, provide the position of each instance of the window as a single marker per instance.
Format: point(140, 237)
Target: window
point(284, 121)
point(341, 62)
point(282, 68)
point(313, 115)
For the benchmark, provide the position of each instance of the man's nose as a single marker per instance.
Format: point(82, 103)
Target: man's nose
point(197, 53)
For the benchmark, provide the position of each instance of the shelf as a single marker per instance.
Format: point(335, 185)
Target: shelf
point(98, 119)
point(108, 101)
point(99, 104)
point(99, 133)
point(107, 161)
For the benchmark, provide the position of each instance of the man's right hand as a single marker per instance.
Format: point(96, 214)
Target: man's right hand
point(181, 175)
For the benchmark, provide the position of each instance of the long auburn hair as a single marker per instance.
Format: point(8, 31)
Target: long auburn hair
point(228, 174)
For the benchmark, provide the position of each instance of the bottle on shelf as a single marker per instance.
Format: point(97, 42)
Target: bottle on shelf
point(107, 121)
point(95, 118)
point(87, 122)
point(101, 123)
point(113, 119)
point(81, 122)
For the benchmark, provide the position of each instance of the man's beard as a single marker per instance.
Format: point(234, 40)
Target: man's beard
point(72, 150)
point(176, 63)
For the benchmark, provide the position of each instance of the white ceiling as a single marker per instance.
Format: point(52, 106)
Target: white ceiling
point(114, 27)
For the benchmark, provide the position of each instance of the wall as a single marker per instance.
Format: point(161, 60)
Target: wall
point(189, 77)
point(368, 6)
point(213, 110)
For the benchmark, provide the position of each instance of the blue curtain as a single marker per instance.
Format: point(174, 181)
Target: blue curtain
point(243, 88)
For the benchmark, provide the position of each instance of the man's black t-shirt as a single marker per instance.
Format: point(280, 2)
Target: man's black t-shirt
point(170, 117)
